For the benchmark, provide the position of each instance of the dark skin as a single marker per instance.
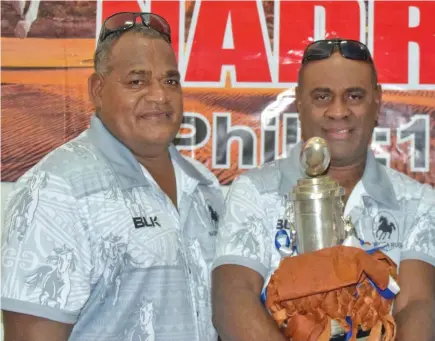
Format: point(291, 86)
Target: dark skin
point(339, 101)
point(238, 313)
point(22, 327)
point(414, 308)
point(140, 101)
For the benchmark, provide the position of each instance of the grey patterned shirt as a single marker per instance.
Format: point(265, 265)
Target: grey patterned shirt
point(90, 239)
point(387, 207)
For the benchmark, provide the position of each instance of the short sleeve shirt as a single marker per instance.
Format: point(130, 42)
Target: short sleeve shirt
point(386, 207)
point(90, 240)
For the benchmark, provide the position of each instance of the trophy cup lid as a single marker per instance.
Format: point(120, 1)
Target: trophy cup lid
point(314, 161)
point(314, 157)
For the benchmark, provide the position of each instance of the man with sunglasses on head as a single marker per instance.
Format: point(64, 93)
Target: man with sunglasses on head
point(338, 99)
point(111, 236)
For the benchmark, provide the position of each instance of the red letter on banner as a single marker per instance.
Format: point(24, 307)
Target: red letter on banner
point(170, 10)
point(342, 19)
point(111, 7)
point(396, 24)
point(239, 21)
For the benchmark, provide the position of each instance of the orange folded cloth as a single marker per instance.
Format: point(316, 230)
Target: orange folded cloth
point(309, 290)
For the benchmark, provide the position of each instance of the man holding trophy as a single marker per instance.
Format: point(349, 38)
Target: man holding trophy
point(328, 243)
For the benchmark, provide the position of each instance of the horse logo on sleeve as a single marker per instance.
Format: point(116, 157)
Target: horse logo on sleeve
point(386, 230)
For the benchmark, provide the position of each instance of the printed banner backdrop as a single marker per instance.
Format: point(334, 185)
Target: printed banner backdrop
point(239, 62)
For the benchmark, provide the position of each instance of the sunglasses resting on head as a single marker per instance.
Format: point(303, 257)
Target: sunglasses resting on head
point(124, 21)
point(350, 49)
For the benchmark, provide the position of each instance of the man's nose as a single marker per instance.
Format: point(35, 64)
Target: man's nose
point(337, 110)
point(156, 92)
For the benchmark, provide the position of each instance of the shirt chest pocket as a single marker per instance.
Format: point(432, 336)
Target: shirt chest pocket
point(200, 230)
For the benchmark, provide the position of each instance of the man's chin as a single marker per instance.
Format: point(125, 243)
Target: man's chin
point(341, 154)
point(150, 147)
point(163, 140)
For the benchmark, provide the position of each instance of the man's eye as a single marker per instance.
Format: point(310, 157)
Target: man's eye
point(322, 97)
point(355, 97)
point(173, 81)
point(136, 82)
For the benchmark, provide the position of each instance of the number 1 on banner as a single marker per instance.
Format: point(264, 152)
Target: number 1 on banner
point(417, 132)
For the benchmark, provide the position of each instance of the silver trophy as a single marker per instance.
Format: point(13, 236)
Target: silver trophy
point(316, 207)
point(316, 203)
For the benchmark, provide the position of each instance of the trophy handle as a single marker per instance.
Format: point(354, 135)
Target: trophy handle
point(293, 237)
point(348, 226)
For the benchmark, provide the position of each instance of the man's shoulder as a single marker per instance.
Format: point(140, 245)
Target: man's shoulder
point(266, 178)
point(408, 188)
point(72, 156)
point(71, 164)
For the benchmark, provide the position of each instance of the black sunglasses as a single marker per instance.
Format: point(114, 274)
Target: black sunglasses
point(350, 49)
point(123, 21)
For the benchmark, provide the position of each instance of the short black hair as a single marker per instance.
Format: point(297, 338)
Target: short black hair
point(104, 49)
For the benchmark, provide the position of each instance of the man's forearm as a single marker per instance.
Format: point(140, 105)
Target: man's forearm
point(242, 317)
point(416, 322)
point(22, 327)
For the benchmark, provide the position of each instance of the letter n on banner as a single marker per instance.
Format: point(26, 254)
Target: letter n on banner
point(170, 10)
point(302, 22)
point(402, 39)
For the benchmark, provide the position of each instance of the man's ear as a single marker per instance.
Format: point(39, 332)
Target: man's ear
point(95, 87)
point(298, 97)
point(378, 100)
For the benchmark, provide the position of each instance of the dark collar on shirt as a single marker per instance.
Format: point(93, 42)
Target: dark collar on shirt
point(375, 179)
point(123, 162)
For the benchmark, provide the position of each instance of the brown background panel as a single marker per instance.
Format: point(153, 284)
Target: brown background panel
point(36, 118)
point(56, 19)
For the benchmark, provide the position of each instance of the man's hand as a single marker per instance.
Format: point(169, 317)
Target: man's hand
point(22, 327)
point(238, 314)
point(414, 308)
